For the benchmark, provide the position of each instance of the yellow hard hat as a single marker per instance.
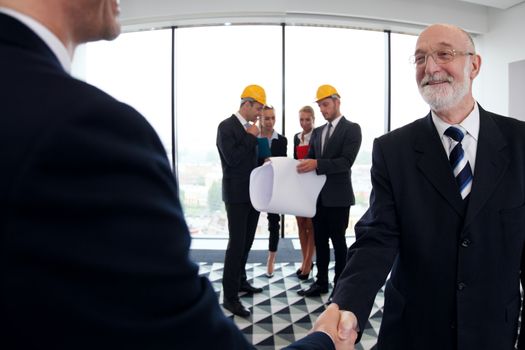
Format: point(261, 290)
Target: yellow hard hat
point(325, 91)
point(254, 92)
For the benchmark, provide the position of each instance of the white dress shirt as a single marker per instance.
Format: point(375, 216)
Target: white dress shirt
point(325, 129)
point(242, 120)
point(305, 139)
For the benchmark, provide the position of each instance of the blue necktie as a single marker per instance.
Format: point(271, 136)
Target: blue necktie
point(459, 163)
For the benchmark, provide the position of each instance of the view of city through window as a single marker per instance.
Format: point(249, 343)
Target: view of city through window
point(214, 64)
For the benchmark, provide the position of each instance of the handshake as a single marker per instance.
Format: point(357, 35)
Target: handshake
point(340, 325)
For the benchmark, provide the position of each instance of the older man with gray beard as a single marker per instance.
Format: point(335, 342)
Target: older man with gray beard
point(446, 216)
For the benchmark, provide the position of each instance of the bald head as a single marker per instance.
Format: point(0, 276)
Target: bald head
point(449, 34)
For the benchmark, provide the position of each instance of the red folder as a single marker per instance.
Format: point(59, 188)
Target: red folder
point(302, 151)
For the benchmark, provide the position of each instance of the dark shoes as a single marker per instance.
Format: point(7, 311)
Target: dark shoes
point(314, 290)
point(305, 276)
point(250, 289)
point(236, 308)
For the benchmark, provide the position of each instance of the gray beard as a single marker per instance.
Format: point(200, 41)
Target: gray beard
point(447, 95)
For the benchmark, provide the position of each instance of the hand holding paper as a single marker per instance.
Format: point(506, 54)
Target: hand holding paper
point(306, 165)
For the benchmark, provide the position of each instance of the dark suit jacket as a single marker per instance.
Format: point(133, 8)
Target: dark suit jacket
point(296, 142)
point(238, 158)
point(278, 148)
point(455, 281)
point(337, 162)
point(94, 246)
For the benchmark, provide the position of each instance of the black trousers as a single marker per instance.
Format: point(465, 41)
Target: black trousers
point(273, 228)
point(330, 223)
point(242, 223)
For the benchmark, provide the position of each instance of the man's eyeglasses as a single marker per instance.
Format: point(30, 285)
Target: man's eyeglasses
point(441, 56)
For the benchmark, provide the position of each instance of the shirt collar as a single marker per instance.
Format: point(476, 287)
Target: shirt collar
point(51, 40)
point(470, 123)
point(275, 136)
point(241, 118)
point(335, 121)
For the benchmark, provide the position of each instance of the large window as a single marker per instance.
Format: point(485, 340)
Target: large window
point(213, 65)
point(135, 69)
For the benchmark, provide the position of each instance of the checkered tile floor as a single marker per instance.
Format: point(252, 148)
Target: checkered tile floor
point(279, 315)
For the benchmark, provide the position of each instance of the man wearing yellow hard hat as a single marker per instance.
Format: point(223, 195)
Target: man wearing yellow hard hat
point(333, 149)
point(236, 142)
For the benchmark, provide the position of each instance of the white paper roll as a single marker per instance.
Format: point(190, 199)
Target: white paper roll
point(277, 187)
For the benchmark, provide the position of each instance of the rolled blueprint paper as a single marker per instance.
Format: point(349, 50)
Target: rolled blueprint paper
point(277, 187)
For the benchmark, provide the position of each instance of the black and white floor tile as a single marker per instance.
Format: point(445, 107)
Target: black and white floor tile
point(279, 315)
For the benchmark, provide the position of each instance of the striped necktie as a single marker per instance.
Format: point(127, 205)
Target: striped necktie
point(458, 161)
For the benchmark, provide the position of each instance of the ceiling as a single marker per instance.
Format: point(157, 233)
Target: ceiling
point(500, 4)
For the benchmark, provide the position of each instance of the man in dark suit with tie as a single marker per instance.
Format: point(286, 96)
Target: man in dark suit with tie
point(446, 216)
point(94, 244)
point(237, 145)
point(333, 149)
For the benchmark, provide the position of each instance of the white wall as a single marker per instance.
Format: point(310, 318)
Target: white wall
point(517, 89)
point(380, 14)
point(502, 44)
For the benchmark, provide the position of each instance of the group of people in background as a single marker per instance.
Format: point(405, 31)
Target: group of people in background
point(95, 246)
point(328, 150)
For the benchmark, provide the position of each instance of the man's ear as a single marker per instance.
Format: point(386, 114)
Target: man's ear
point(476, 65)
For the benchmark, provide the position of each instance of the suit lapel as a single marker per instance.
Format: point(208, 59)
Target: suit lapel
point(277, 147)
point(318, 141)
point(491, 164)
point(239, 128)
point(434, 165)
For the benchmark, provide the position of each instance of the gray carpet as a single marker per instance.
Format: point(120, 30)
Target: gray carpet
point(285, 254)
